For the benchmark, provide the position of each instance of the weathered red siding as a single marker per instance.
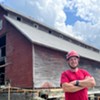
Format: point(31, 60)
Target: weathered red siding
point(19, 57)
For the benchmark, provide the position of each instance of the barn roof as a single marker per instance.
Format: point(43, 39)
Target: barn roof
point(43, 38)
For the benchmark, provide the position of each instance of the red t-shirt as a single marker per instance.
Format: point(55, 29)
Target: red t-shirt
point(68, 76)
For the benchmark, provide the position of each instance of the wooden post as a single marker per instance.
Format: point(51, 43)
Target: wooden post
point(7, 83)
point(8, 91)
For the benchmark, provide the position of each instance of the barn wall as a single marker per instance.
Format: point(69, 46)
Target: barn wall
point(93, 67)
point(49, 65)
point(19, 57)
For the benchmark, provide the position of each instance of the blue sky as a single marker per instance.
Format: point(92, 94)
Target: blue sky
point(77, 18)
point(71, 16)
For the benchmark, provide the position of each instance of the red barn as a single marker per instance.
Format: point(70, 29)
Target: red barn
point(32, 55)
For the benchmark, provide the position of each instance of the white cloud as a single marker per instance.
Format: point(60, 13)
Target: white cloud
point(51, 13)
point(86, 9)
point(48, 11)
point(88, 32)
point(89, 11)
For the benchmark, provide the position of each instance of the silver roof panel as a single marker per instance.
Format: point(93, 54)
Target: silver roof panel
point(42, 38)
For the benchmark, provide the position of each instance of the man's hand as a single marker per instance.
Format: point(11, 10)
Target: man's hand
point(73, 82)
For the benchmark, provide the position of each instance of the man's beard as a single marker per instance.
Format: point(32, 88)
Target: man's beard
point(73, 67)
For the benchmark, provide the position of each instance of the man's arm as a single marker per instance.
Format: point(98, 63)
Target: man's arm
point(88, 82)
point(69, 87)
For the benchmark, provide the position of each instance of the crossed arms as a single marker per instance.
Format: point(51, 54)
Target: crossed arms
point(88, 82)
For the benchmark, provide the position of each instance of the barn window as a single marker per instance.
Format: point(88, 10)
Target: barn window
point(35, 25)
point(2, 59)
point(18, 18)
point(50, 31)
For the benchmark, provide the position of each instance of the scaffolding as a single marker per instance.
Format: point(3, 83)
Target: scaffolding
point(31, 94)
point(9, 91)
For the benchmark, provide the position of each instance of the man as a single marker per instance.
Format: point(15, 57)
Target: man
point(75, 81)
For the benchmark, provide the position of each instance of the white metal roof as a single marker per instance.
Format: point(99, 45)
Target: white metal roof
point(42, 38)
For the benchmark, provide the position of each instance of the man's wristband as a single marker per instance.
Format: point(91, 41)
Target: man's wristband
point(77, 83)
